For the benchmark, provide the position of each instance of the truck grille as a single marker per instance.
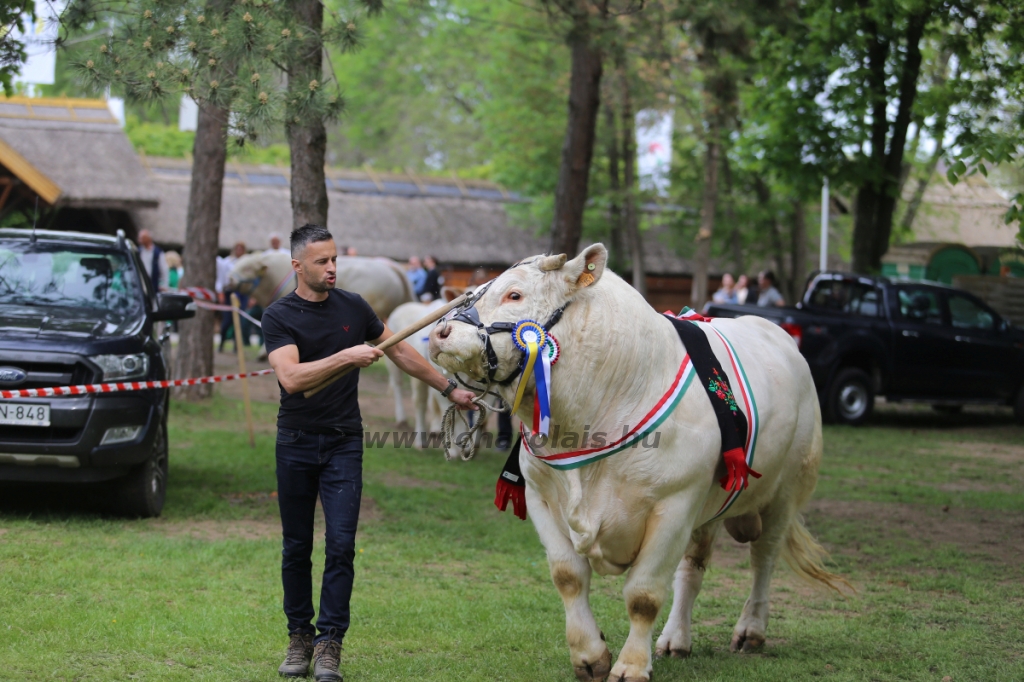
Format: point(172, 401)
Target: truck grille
point(45, 372)
point(36, 434)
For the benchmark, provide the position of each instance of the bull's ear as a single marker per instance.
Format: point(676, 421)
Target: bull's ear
point(586, 269)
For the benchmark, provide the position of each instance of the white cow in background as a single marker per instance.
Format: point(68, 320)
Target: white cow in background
point(267, 277)
point(424, 399)
point(649, 509)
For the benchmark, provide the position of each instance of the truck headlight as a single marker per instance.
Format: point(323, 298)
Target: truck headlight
point(120, 434)
point(118, 367)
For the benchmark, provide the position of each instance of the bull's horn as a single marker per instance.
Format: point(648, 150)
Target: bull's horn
point(551, 262)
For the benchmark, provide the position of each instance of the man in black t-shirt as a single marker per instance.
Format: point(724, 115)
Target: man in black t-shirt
point(311, 334)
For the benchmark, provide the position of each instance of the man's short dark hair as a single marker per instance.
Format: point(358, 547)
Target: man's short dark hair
point(769, 275)
point(307, 234)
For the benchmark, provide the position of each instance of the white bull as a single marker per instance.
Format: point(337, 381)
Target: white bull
point(424, 400)
point(649, 509)
point(267, 277)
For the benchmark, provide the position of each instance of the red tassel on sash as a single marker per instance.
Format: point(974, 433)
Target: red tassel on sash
point(736, 470)
point(505, 491)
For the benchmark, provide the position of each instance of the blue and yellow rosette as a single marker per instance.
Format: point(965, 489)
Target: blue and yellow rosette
point(540, 350)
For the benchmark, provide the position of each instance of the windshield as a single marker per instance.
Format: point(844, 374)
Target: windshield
point(57, 275)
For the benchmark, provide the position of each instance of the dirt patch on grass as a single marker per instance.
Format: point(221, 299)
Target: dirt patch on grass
point(268, 528)
point(997, 534)
point(995, 452)
point(396, 480)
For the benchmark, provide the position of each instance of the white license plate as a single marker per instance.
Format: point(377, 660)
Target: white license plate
point(24, 414)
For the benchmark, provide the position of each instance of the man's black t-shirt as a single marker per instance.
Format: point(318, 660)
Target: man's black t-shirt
point(319, 330)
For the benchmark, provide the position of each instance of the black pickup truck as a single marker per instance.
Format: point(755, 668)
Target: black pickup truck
point(79, 309)
point(909, 341)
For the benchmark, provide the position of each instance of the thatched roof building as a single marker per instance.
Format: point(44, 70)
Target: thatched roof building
point(71, 154)
point(464, 223)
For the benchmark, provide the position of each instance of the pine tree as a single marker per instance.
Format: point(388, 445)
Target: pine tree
point(229, 56)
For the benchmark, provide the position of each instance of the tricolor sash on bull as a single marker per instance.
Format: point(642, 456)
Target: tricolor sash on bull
point(739, 430)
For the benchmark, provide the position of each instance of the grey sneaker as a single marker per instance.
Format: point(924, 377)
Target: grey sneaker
point(300, 653)
point(326, 659)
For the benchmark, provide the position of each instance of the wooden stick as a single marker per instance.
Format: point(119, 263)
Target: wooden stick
point(396, 338)
point(240, 348)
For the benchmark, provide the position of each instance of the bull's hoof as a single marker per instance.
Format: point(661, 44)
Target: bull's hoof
point(595, 671)
point(746, 643)
point(663, 651)
point(631, 673)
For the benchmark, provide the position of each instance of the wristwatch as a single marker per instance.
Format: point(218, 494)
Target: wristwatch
point(451, 387)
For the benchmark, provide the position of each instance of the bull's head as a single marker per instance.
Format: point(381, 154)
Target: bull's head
point(247, 273)
point(533, 289)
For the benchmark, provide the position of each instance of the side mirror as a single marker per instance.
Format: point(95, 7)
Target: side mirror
point(173, 307)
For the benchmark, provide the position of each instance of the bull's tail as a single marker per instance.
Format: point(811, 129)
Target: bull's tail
point(807, 558)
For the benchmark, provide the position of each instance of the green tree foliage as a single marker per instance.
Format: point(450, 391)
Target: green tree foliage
point(12, 52)
point(846, 79)
point(228, 54)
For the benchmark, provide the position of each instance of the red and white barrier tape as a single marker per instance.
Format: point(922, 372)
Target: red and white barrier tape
point(198, 293)
point(85, 389)
point(227, 309)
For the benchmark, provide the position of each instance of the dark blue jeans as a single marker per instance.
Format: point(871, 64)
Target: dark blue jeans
point(330, 466)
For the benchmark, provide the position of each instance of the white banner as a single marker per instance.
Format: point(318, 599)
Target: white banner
point(654, 149)
point(39, 38)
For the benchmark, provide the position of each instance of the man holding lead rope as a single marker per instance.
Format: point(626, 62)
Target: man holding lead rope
point(311, 335)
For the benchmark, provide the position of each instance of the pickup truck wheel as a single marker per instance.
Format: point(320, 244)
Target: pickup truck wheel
point(851, 397)
point(141, 493)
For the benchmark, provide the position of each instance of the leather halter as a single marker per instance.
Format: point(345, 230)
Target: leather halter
point(468, 314)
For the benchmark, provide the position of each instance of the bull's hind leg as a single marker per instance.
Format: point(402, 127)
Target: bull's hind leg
point(749, 633)
point(395, 381)
point(419, 403)
point(570, 572)
point(676, 638)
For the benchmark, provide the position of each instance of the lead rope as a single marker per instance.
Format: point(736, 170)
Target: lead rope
point(448, 425)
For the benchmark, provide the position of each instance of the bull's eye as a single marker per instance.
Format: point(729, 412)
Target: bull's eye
point(514, 296)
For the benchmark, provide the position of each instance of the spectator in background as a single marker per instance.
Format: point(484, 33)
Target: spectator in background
point(726, 293)
point(275, 245)
point(416, 274)
point(174, 269)
point(769, 295)
point(432, 286)
point(224, 268)
point(351, 251)
point(742, 290)
point(153, 260)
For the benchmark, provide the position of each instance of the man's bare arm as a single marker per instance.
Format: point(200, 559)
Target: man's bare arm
point(413, 364)
point(297, 376)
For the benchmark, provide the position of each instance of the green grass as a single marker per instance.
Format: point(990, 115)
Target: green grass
point(449, 589)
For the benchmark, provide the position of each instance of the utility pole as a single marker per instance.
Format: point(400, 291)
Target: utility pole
point(823, 256)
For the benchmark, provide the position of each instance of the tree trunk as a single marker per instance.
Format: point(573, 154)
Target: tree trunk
point(938, 134)
point(616, 260)
point(922, 184)
point(709, 202)
point(799, 252)
point(202, 237)
point(307, 140)
point(876, 198)
point(630, 215)
point(771, 225)
point(578, 149)
point(735, 236)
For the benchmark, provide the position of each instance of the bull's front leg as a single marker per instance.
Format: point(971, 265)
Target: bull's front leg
point(571, 573)
point(649, 578)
